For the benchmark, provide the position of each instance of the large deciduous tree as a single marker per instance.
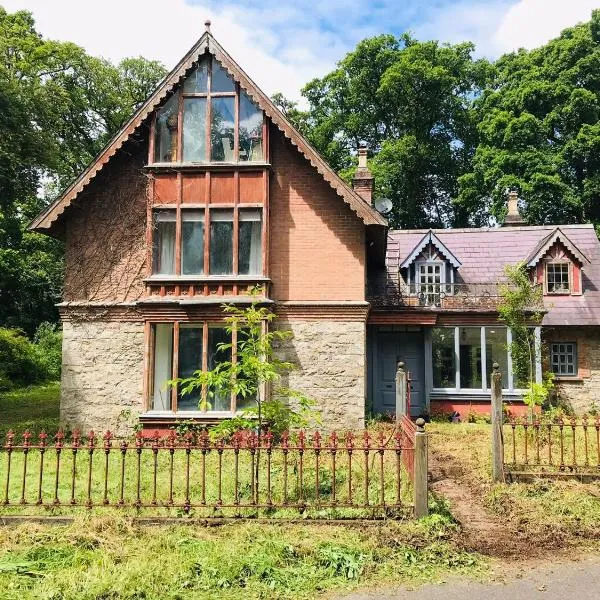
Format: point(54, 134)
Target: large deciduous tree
point(410, 102)
point(539, 132)
point(58, 107)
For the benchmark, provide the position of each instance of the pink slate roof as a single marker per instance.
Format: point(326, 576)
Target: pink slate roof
point(485, 252)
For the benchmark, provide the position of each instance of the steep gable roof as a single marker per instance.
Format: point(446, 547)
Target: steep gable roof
point(547, 242)
point(430, 238)
point(207, 43)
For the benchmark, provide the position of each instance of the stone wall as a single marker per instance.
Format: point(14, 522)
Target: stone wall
point(102, 375)
point(330, 358)
point(583, 391)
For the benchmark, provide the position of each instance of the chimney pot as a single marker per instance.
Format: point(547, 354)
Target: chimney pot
point(513, 216)
point(363, 181)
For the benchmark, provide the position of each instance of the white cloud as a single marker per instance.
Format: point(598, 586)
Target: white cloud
point(166, 30)
point(531, 23)
point(282, 44)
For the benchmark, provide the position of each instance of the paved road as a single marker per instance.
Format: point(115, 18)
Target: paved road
point(578, 580)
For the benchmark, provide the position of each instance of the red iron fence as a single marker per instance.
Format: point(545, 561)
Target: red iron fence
point(562, 445)
point(335, 476)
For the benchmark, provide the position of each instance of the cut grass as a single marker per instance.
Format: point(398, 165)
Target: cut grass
point(112, 558)
point(34, 408)
point(565, 512)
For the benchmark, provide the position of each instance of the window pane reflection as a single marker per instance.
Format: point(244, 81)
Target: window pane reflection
point(496, 351)
point(192, 242)
point(197, 80)
point(250, 246)
point(444, 361)
point(165, 138)
point(194, 129)
point(470, 357)
point(218, 400)
point(221, 242)
point(250, 130)
point(222, 129)
point(190, 361)
point(221, 82)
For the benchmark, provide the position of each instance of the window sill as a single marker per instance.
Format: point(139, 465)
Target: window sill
point(206, 279)
point(171, 418)
point(208, 166)
point(566, 379)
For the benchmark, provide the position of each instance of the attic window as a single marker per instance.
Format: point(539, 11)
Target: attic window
point(218, 121)
point(557, 278)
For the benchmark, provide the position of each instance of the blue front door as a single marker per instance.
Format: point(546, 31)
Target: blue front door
point(390, 348)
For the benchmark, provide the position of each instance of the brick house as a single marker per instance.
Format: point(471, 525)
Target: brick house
point(208, 191)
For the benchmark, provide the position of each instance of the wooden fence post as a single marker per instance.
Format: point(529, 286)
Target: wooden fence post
point(497, 439)
point(420, 483)
point(401, 391)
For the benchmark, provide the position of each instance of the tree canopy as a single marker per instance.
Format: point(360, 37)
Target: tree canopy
point(58, 107)
point(539, 132)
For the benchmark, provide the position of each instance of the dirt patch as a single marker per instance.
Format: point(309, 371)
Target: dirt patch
point(483, 531)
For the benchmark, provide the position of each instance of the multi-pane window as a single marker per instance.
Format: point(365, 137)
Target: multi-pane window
point(463, 357)
point(217, 242)
point(563, 358)
point(219, 121)
point(430, 280)
point(557, 278)
point(200, 347)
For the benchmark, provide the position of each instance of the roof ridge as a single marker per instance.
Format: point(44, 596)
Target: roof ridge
point(356, 203)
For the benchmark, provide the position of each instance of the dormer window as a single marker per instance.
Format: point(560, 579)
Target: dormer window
point(557, 278)
point(209, 120)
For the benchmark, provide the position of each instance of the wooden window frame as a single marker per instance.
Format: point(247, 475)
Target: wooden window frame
point(205, 324)
point(574, 355)
point(180, 210)
point(209, 95)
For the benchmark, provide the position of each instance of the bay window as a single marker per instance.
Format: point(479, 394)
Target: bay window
point(463, 358)
point(199, 348)
point(219, 121)
point(232, 242)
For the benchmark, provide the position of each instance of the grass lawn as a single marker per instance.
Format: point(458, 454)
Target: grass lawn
point(34, 408)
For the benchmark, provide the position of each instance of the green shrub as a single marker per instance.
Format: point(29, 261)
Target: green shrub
point(23, 362)
point(48, 342)
point(19, 363)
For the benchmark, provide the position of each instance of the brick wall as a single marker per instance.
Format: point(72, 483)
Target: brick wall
point(317, 244)
point(105, 233)
point(584, 390)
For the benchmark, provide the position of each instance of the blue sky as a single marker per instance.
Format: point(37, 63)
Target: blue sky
point(282, 44)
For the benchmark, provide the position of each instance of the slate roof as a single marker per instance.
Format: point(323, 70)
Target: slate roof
point(485, 252)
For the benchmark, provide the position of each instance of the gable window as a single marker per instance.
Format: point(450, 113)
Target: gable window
point(557, 278)
point(232, 245)
point(200, 347)
point(563, 358)
point(219, 122)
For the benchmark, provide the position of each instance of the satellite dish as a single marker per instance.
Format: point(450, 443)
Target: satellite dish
point(383, 205)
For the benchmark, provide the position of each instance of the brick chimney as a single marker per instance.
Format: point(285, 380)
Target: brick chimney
point(363, 178)
point(513, 216)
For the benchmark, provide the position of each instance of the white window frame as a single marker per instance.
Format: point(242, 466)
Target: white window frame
point(428, 295)
point(485, 387)
point(555, 263)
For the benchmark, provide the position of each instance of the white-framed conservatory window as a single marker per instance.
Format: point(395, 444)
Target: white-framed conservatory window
point(463, 357)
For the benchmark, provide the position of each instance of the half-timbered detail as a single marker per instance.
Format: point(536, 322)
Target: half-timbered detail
point(208, 192)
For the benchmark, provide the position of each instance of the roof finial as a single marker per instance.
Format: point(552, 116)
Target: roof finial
point(207, 25)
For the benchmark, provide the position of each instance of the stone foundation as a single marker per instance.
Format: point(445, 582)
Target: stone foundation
point(581, 392)
point(330, 360)
point(102, 375)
